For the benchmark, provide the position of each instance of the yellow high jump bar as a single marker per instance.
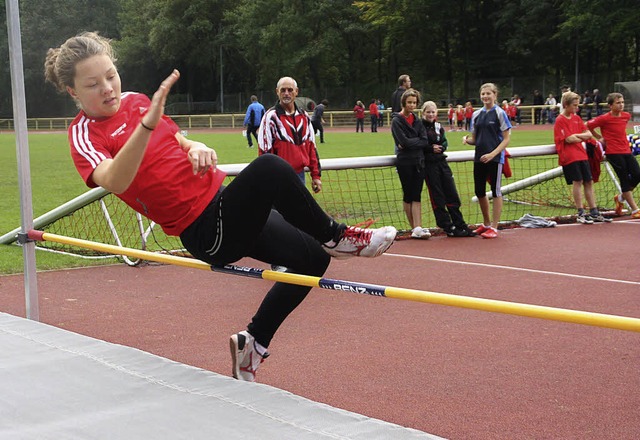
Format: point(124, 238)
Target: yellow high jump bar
point(487, 305)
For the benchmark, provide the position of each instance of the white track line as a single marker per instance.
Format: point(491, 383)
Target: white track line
point(520, 269)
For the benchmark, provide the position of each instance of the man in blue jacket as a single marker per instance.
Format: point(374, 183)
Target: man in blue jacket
point(252, 119)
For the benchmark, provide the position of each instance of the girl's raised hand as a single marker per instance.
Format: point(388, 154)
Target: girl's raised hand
point(158, 100)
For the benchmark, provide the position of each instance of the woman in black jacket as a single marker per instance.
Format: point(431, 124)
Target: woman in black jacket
point(411, 140)
point(439, 178)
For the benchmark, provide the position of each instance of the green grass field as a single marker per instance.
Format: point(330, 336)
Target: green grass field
point(55, 181)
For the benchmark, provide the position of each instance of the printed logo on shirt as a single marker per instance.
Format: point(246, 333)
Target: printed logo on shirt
point(119, 130)
point(142, 109)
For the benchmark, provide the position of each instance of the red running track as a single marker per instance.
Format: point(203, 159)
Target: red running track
point(456, 373)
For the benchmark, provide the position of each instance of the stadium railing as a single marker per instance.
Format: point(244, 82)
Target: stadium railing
point(355, 190)
point(334, 118)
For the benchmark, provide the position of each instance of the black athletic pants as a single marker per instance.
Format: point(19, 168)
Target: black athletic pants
point(627, 170)
point(252, 130)
point(411, 177)
point(445, 201)
point(317, 127)
point(267, 214)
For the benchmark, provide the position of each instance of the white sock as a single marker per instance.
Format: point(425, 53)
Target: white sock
point(259, 348)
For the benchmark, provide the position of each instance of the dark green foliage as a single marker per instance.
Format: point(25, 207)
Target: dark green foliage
point(340, 49)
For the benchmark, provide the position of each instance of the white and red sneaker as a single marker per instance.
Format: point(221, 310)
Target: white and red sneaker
point(358, 242)
point(245, 357)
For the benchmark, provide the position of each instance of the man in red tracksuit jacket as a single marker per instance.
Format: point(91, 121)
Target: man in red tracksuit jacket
point(286, 131)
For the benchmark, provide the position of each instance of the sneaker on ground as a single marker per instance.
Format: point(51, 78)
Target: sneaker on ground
point(619, 205)
point(470, 232)
point(244, 356)
point(360, 242)
point(599, 218)
point(584, 219)
point(481, 229)
point(635, 214)
point(420, 232)
point(458, 232)
point(489, 233)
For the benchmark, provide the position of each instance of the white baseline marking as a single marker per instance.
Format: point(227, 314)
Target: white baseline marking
point(521, 269)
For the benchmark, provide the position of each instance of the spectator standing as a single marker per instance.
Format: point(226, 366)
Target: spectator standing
point(404, 83)
point(459, 117)
point(538, 100)
point(597, 101)
point(286, 131)
point(490, 133)
point(468, 113)
point(443, 193)
point(587, 101)
point(569, 133)
point(358, 110)
point(451, 117)
point(374, 115)
point(509, 110)
point(411, 140)
point(515, 103)
point(613, 132)
point(380, 113)
point(317, 119)
point(550, 109)
point(252, 119)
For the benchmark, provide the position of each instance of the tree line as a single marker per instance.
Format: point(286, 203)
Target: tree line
point(337, 49)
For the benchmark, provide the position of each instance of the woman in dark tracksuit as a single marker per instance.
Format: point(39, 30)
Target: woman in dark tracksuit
point(443, 193)
point(411, 140)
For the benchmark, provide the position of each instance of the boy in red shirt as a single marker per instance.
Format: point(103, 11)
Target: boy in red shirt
point(613, 129)
point(359, 112)
point(468, 114)
point(374, 114)
point(459, 117)
point(451, 114)
point(569, 133)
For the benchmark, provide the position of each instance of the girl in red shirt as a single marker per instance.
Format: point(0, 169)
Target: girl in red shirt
point(359, 112)
point(451, 114)
point(124, 143)
point(459, 117)
point(468, 114)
